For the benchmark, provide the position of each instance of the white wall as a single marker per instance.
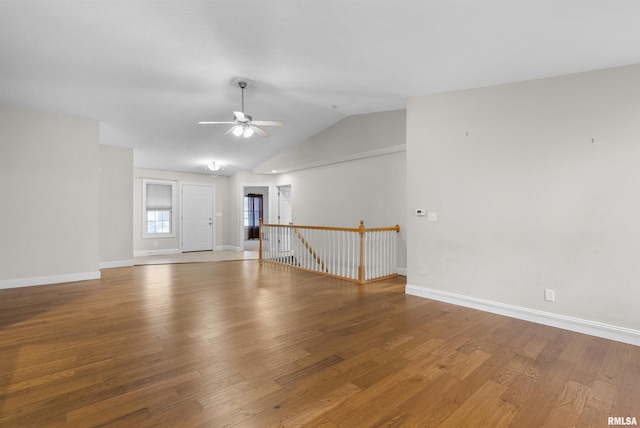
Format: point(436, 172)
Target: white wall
point(143, 246)
point(49, 193)
point(116, 205)
point(525, 200)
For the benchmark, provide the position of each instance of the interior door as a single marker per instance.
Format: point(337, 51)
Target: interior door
point(284, 204)
point(197, 218)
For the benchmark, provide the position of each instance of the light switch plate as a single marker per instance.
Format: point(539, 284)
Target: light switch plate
point(420, 212)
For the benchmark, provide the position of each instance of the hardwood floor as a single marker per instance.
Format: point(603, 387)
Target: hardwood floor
point(198, 257)
point(240, 344)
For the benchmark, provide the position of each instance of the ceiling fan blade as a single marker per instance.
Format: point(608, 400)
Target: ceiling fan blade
point(229, 131)
point(260, 132)
point(216, 123)
point(240, 117)
point(268, 122)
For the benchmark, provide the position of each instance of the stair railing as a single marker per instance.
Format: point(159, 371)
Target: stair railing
point(356, 254)
point(309, 249)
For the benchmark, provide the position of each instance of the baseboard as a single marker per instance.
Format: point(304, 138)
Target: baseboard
point(51, 279)
point(401, 271)
point(606, 331)
point(116, 264)
point(156, 252)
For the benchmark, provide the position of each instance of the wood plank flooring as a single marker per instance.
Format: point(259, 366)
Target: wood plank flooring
point(244, 345)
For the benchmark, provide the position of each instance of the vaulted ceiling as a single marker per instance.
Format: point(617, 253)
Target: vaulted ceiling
point(150, 70)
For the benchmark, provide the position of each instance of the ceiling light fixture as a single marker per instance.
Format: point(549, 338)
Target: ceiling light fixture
point(242, 130)
point(214, 168)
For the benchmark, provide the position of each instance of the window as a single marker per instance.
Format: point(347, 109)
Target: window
point(158, 221)
point(157, 208)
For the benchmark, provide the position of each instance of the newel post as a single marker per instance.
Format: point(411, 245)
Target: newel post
point(260, 237)
point(361, 266)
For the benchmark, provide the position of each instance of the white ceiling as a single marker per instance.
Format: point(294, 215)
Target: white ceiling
point(150, 70)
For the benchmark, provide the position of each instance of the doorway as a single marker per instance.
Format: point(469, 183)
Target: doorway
point(255, 205)
point(253, 213)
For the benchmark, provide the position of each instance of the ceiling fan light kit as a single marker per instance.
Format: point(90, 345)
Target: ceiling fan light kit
point(214, 168)
point(243, 124)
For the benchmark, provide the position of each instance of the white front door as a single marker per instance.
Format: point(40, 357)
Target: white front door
point(197, 217)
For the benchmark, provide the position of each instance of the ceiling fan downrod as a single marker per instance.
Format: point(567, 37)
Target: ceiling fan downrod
point(242, 84)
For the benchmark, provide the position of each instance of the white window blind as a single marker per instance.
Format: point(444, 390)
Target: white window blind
point(158, 202)
point(159, 196)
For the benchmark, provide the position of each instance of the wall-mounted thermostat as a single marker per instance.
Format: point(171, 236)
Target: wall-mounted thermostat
point(421, 212)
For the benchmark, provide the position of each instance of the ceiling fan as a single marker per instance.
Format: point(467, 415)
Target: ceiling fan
point(243, 124)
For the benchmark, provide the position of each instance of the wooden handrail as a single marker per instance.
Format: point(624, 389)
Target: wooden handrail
point(340, 229)
point(383, 229)
point(291, 225)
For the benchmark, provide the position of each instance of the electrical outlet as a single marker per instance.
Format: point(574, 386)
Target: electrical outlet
point(549, 295)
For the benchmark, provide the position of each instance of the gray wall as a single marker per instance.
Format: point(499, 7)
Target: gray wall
point(116, 205)
point(49, 188)
point(525, 200)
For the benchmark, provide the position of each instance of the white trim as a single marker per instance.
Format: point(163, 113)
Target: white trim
point(593, 328)
point(156, 252)
point(116, 264)
point(52, 279)
point(346, 158)
point(401, 271)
